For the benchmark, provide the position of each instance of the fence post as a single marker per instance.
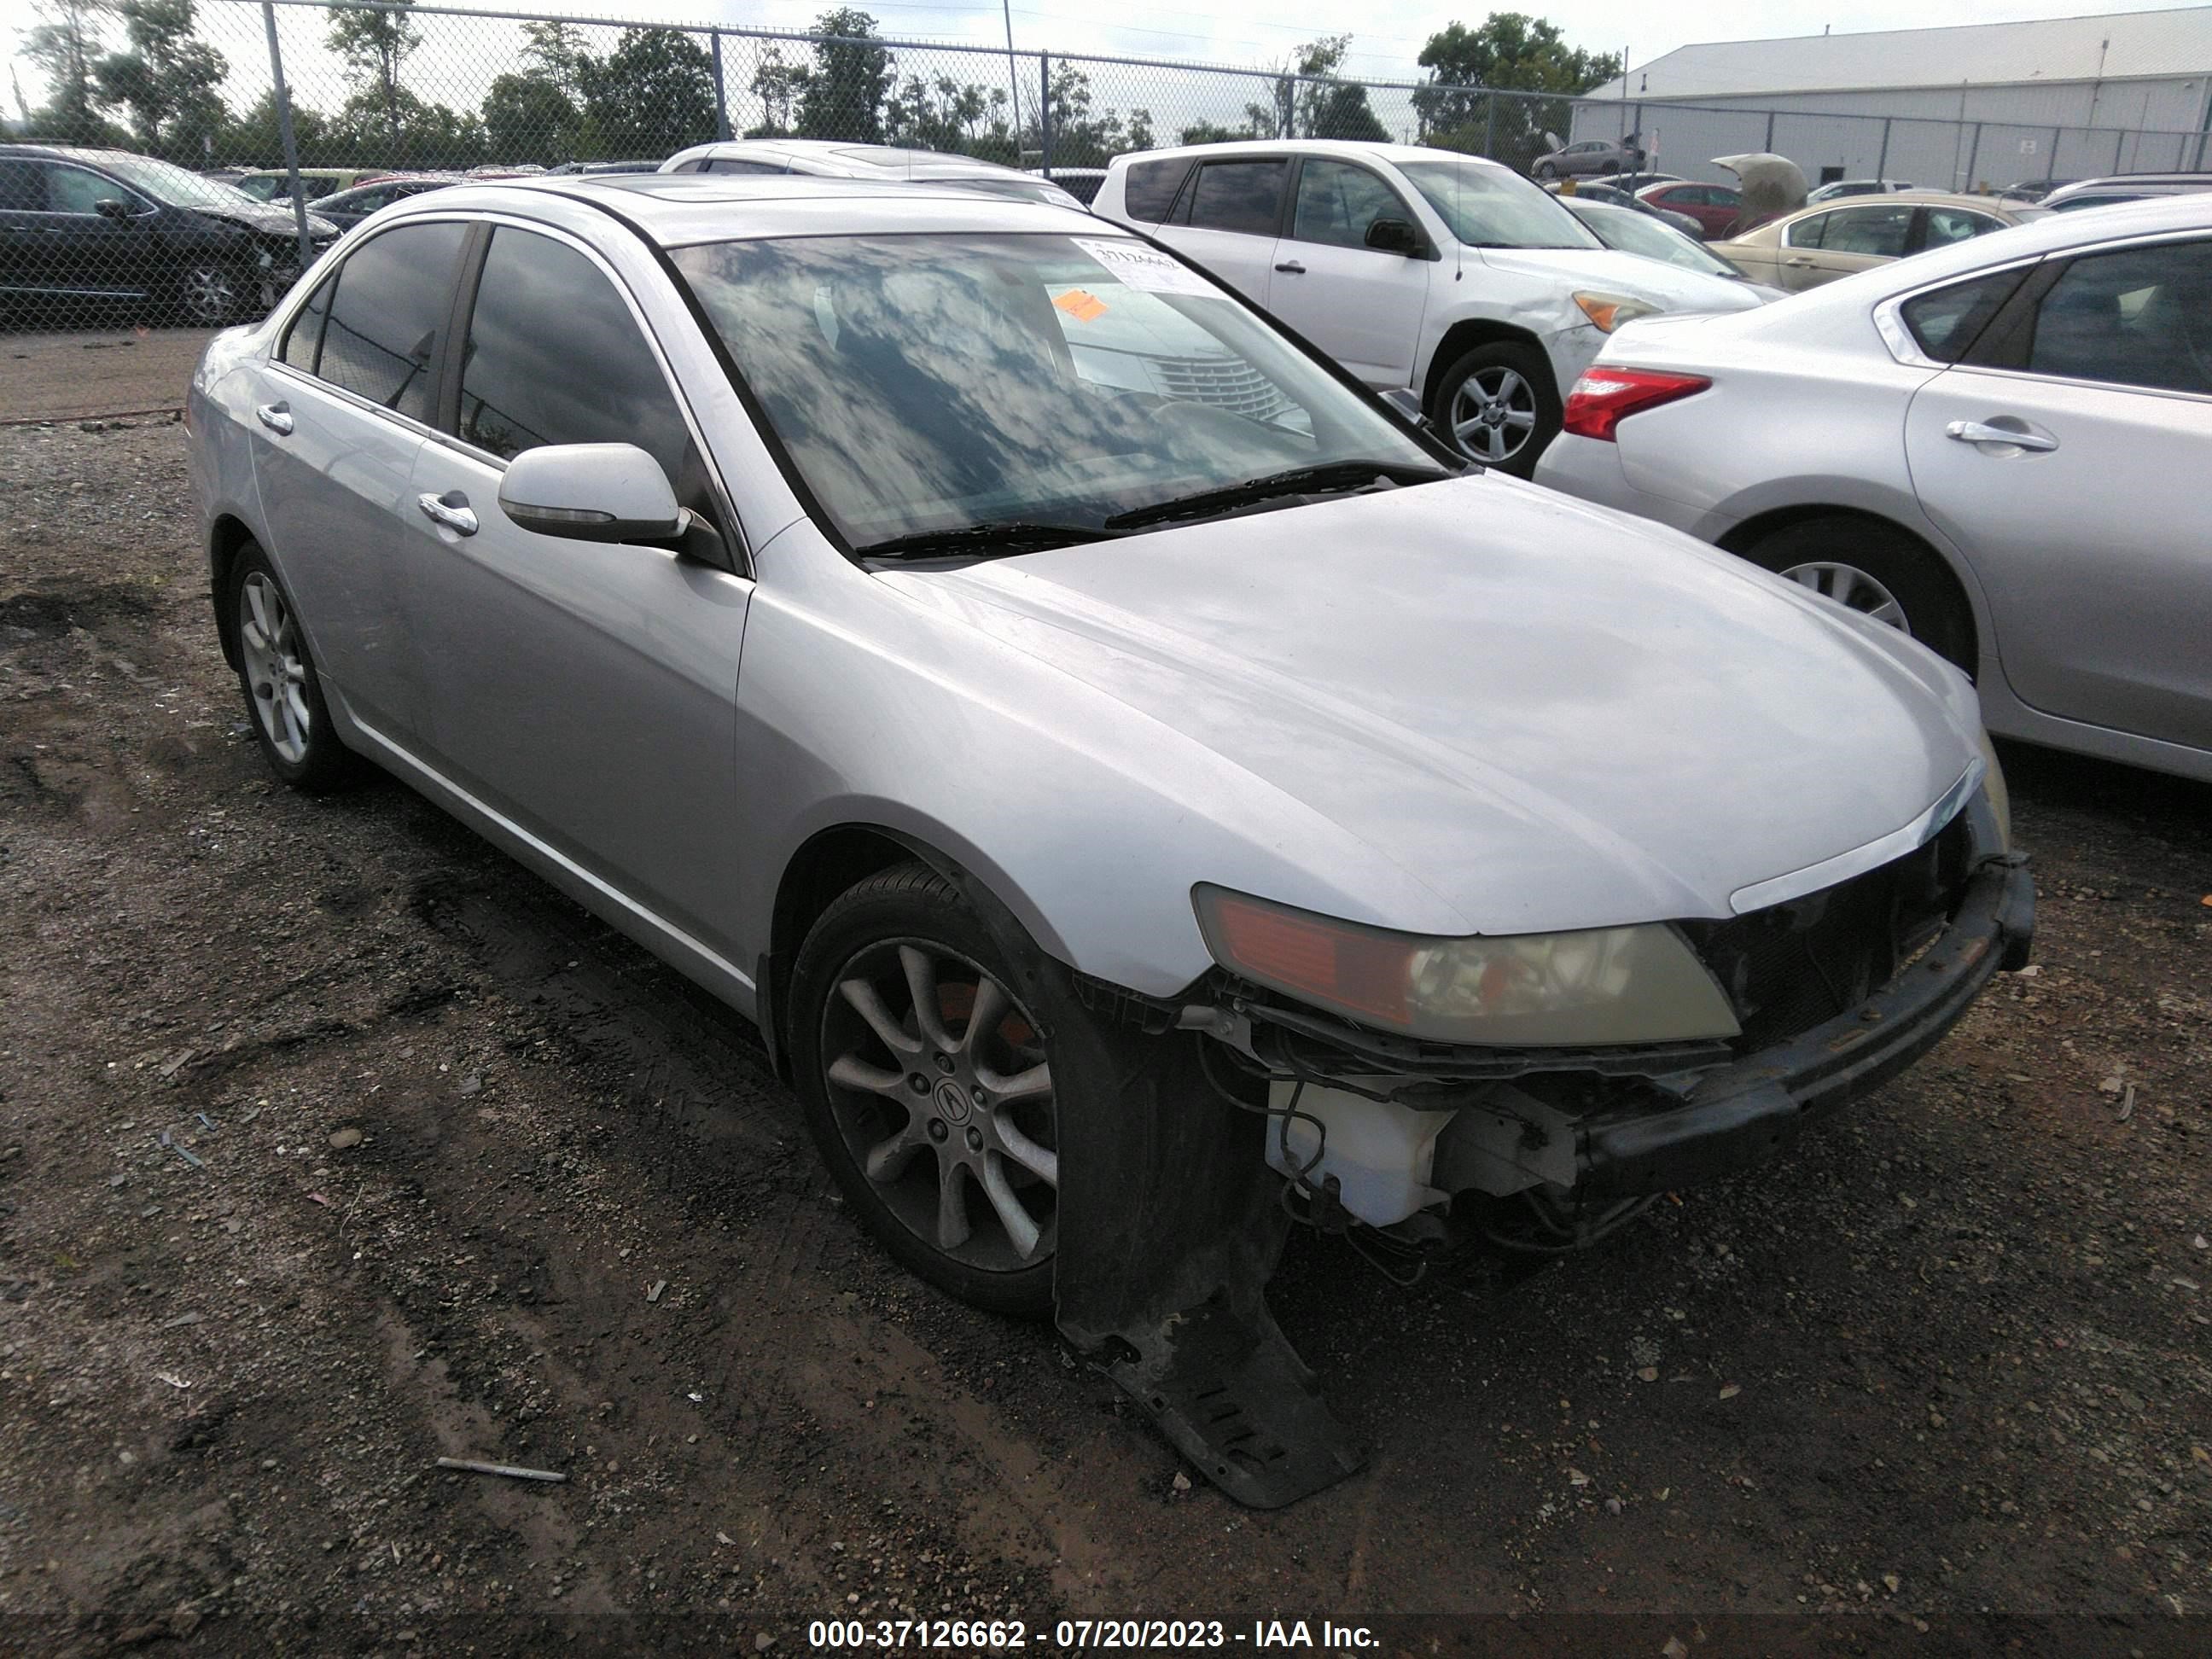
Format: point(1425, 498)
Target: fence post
point(1973, 154)
point(1044, 111)
point(1881, 161)
point(284, 132)
point(2057, 135)
point(1770, 132)
point(1490, 125)
point(722, 104)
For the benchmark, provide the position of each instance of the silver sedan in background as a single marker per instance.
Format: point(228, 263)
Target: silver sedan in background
point(2001, 448)
point(1136, 820)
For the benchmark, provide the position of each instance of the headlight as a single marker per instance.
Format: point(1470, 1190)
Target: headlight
point(1610, 311)
point(1599, 985)
point(1993, 784)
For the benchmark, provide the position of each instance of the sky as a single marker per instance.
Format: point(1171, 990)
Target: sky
point(1387, 34)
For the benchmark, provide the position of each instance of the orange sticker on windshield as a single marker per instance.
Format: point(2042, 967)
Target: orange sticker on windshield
point(1082, 305)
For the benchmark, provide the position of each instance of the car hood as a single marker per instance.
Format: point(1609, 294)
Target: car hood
point(1548, 714)
point(1631, 275)
point(274, 219)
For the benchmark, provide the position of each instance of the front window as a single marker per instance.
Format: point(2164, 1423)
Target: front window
point(168, 183)
point(1486, 207)
point(926, 386)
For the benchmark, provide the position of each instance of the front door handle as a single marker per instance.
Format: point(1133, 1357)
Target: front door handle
point(1800, 263)
point(451, 510)
point(1982, 432)
point(277, 417)
point(1292, 266)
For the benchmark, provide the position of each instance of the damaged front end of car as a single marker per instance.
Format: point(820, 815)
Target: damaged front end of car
point(1621, 1063)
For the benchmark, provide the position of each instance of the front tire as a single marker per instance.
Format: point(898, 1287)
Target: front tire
point(284, 693)
point(210, 294)
point(927, 1086)
point(1498, 404)
point(1546, 170)
point(1878, 570)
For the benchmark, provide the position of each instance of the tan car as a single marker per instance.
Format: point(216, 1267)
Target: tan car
point(1818, 244)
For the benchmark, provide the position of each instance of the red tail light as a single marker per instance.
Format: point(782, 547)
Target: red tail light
point(1604, 397)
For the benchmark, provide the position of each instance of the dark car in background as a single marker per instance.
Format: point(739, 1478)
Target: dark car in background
point(348, 208)
point(1614, 195)
point(1715, 207)
point(84, 231)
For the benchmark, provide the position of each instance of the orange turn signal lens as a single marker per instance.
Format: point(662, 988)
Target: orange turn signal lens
point(1334, 964)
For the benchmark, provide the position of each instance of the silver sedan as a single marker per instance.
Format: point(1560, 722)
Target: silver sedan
point(1145, 791)
point(2000, 448)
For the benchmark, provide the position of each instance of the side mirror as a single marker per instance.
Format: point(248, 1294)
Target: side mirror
point(1395, 236)
point(590, 493)
point(108, 208)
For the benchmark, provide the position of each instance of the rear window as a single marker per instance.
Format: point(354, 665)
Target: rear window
point(1150, 189)
point(1948, 321)
point(381, 335)
point(1246, 197)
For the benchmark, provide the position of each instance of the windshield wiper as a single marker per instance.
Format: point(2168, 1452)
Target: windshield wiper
point(1329, 477)
point(1004, 535)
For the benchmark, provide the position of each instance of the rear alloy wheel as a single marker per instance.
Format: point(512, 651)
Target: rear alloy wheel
point(1499, 406)
point(208, 294)
point(290, 720)
point(929, 1089)
point(1877, 570)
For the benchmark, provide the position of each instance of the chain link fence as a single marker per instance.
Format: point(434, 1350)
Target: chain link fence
point(319, 97)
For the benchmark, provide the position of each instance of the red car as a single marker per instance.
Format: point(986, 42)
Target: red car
point(1713, 206)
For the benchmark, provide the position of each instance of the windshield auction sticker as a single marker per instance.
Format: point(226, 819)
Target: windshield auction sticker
point(1140, 267)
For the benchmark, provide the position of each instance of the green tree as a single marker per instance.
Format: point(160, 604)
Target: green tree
point(66, 46)
point(253, 137)
point(1511, 52)
point(842, 95)
point(375, 45)
point(166, 81)
point(777, 84)
point(556, 53)
point(1324, 106)
point(394, 128)
point(651, 96)
point(529, 117)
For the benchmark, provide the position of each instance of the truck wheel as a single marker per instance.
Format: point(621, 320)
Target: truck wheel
point(928, 1088)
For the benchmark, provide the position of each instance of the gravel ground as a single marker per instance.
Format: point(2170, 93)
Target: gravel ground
point(335, 1143)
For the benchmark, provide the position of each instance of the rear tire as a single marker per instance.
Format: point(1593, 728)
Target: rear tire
point(1546, 170)
point(908, 1094)
point(284, 693)
point(1508, 380)
point(1877, 569)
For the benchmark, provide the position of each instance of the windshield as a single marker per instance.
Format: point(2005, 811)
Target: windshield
point(1486, 207)
point(168, 183)
point(934, 383)
point(1632, 231)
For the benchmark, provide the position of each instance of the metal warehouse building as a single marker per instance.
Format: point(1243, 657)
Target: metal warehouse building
point(1946, 108)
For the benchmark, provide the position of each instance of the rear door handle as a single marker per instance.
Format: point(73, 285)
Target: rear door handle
point(1982, 432)
point(1292, 266)
point(277, 417)
point(453, 512)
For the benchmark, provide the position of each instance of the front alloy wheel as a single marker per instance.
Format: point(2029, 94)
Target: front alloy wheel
point(207, 295)
point(932, 1089)
point(1493, 414)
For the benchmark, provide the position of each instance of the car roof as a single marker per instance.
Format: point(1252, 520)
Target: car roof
point(73, 152)
point(2058, 233)
point(1349, 148)
point(850, 158)
point(678, 210)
